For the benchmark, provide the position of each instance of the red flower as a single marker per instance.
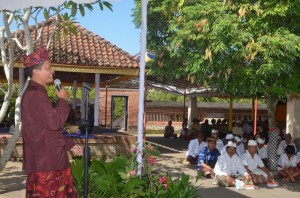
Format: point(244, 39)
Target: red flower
point(162, 180)
point(151, 161)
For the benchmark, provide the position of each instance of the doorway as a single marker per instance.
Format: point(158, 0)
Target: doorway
point(119, 112)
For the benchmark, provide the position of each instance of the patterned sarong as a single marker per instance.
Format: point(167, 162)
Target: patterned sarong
point(58, 184)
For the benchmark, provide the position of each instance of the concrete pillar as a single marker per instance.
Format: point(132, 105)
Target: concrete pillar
point(293, 118)
point(192, 109)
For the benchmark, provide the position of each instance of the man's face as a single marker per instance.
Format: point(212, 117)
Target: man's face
point(45, 73)
point(214, 135)
point(260, 145)
point(211, 145)
point(288, 138)
point(252, 149)
point(231, 150)
point(200, 137)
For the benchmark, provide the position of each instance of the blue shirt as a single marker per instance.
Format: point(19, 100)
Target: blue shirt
point(208, 157)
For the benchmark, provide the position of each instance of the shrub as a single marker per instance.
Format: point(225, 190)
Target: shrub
point(118, 178)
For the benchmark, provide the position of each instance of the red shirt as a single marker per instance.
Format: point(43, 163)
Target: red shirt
point(44, 145)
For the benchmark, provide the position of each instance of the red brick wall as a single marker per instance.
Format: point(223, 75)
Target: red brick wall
point(133, 98)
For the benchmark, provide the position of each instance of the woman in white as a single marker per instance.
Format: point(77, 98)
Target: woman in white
point(287, 165)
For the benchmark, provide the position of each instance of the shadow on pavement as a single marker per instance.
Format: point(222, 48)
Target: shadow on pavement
point(169, 145)
point(211, 192)
point(12, 181)
point(294, 187)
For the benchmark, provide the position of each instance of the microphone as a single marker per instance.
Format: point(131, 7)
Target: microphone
point(57, 84)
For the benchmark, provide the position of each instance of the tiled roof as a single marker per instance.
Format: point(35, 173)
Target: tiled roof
point(83, 49)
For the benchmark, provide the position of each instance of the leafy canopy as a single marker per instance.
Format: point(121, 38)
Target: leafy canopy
point(235, 46)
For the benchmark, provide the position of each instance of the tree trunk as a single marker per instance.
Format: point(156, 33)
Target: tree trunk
point(271, 107)
point(14, 138)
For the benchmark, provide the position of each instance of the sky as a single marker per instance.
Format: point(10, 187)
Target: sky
point(116, 27)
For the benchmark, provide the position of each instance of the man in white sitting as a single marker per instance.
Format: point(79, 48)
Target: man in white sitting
point(228, 138)
point(262, 151)
point(215, 134)
point(229, 167)
point(237, 129)
point(194, 149)
point(254, 165)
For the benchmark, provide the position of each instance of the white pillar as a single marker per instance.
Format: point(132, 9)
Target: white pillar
point(293, 118)
point(96, 102)
point(74, 102)
point(82, 104)
point(192, 109)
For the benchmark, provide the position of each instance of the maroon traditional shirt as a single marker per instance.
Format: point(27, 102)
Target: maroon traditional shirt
point(44, 145)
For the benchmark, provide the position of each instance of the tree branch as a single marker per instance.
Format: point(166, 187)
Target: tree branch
point(25, 18)
point(54, 28)
point(11, 17)
point(41, 29)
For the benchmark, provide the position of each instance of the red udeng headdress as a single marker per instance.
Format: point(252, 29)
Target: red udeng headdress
point(36, 57)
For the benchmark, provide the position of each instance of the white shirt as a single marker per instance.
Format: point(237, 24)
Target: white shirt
point(285, 162)
point(240, 149)
point(237, 131)
point(252, 162)
point(195, 147)
point(263, 152)
point(219, 145)
point(283, 145)
point(227, 165)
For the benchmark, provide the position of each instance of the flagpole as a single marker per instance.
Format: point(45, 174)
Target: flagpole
point(142, 87)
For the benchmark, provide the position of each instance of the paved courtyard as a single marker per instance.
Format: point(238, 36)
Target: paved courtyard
point(12, 178)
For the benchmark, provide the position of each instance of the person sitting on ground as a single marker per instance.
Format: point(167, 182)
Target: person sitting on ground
point(220, 144)
point(207, 158)
point(254, 165)
point(229, 167)
point(205, 129)
point(228, 138)
point(287, 141)
point(240, 148)
point(280, 150)
point(237, 129)
point(194, 128)
point(169, 131)
point(287, 165)
point(262, 151)
point(184, 130)
point(194, 148)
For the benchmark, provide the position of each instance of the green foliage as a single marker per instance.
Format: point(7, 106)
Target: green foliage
point(9, 117)
point(118, 179)
point(155, 95)
point(240, 48)
point(118, 107)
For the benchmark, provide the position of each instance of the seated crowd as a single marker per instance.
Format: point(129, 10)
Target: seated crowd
point(241, 156)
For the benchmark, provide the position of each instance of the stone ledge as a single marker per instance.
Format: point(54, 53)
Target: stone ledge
point(103, 145)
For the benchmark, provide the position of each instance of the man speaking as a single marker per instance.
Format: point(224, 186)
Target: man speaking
point(44, 146)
